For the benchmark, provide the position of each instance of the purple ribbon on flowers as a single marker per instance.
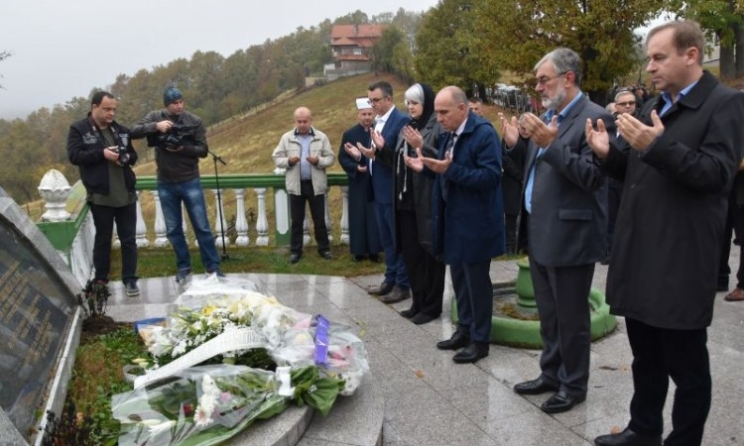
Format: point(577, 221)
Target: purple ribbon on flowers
point(321, 340)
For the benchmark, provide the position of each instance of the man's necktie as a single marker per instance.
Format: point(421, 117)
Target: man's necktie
point(447, 152)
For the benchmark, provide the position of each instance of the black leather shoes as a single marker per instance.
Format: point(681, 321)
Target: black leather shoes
point(471, 353)
point(294, 258)
point(409, 313)
point(328, 255)
point(534, 387)
point(381, 290)
point(459, 339)
point(628, 438)
point(422, 318)
point(561, 402)
point(395, 296)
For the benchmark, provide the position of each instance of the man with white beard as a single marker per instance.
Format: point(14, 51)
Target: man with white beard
point(565, 196)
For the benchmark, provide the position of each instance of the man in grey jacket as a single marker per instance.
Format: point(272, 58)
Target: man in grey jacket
point(306, 153)
point(179, 138)
point(565, 196)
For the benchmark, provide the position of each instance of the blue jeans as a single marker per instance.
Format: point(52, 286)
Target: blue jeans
point(191, 194)
point(395, 267)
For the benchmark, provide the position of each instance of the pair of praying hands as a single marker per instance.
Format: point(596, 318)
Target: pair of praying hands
point(292, 160)
point(356, 152)
point(638, 135)
point(417, 164)
point(541, 133)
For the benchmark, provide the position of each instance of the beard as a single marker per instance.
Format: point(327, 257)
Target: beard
point(556, 101)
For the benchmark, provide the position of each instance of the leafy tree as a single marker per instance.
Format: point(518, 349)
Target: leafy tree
point(445, 53)
point(725, 20)
point(513, 35)
point(353, 18)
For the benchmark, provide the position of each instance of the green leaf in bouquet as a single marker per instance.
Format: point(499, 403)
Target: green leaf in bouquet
point(273, 405)
point(322, 394)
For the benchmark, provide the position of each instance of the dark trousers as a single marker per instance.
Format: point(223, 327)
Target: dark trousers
point(510, 226)
point(660, 354)
point(425, 273)
point(297, 214)
point(562, 296)
point(395, 266)
point(126, 227)
point(734, 226)
point(474, 294)
point(614, 194)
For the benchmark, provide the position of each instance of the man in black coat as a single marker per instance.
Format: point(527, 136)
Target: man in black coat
point(102, 149)
point(685, 150)
point(512, 184)
point(364, 238)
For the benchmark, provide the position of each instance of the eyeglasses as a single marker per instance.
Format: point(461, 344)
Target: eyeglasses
point(545, 79)
point(376, 100)
point(625, 104)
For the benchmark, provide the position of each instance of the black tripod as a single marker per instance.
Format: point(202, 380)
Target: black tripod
point(216, 158)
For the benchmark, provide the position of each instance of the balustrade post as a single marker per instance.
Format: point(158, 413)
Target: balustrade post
point(262, 224)
point(328, 220)
point(305, 228)
point(141, 230)
point(241, 225)
point(345, 215)
point(281, 210)
point(160, 232)
point(220, 226)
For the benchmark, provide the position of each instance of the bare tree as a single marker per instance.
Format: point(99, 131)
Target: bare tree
point(4, 55)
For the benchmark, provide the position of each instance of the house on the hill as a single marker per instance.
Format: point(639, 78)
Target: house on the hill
point(351, 47)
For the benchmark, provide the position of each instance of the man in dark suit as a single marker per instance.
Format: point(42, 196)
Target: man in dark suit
point(468, 216)
point(565, 196)
point(685, 151)
point(364, 237)
point(512, 186)
point(388, 124)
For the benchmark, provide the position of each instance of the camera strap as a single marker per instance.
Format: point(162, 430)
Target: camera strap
point(113, 131)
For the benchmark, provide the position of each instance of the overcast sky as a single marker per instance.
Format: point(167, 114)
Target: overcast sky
point(64, 49)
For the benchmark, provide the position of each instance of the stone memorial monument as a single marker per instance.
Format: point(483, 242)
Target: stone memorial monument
point(40, 324)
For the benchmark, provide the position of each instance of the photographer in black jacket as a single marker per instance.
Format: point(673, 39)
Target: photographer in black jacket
point(179, 138)
point(103, 151)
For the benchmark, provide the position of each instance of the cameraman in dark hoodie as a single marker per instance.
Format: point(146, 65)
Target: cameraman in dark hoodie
point(102, 150)
point(179, 138)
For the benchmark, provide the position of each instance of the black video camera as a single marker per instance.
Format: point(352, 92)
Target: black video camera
point(123, 155)
point(173, 139)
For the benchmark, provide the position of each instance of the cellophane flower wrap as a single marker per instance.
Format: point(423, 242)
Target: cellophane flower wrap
point(306, 360)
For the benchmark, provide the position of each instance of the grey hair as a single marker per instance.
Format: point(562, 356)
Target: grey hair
point(563, 60)
point(415, 93)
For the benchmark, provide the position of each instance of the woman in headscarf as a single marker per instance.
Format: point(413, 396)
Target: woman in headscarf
point(413, 207)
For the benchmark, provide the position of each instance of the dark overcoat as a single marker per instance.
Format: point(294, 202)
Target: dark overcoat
point(364, 237)
point(469, 226)
point(664, 260)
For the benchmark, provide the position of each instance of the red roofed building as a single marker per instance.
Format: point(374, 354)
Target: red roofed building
point(351, 47)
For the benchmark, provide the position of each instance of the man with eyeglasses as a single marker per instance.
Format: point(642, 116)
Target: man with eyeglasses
point(685, 150)
point(384, 136)
point(565, 196)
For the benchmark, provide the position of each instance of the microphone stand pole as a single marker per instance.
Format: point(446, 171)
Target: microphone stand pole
point(216, 158)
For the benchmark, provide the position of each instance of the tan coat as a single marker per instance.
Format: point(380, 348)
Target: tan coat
point(290, 146)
